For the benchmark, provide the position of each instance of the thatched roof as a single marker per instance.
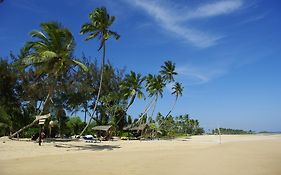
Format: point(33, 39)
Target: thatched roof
point(102, 128)
point(137, 128)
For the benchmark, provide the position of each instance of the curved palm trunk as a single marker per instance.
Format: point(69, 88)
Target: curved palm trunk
point(128, 106)
point(131, 102)
point(154, 106)
point(99, 91)
point(85, 116)
point(172, 107)
point(146, 110)
point(46, 104)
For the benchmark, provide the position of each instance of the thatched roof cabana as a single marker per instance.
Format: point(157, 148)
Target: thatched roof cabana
point(103, 128)
point(141, 127)
point(104, 132)
point(138, 131)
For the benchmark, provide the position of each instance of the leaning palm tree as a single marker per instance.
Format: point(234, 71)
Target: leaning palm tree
point(50, 54)
point(98, 27)
point(131, 87)
point(168, 71)
point(177, 91)
point(154, 86)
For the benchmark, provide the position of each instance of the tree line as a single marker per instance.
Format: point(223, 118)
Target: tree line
point(229, 131)
point(46, 77)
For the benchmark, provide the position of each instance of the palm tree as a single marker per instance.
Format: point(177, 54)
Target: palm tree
point(168, 71)
point(51, 54)
point(131, 87)
point(177, 92)
point(98, 27)
point(154, 86)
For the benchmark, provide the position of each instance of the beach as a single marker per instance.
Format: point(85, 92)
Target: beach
point(237, 154)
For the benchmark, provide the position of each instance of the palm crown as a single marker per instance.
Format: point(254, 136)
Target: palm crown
point(99, 26)
point(177, 89)
point(52, 50)
point(155, 85)
point(168, 71)
point(131, 85)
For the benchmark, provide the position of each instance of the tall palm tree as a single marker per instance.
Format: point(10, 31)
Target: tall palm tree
point(168, 71)
point(177, 91)
point(98, 27)
point(51, 54)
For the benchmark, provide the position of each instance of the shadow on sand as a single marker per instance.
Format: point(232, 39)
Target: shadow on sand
point(90, 147)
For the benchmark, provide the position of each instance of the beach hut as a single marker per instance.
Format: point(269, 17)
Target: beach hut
point(104, 132)
point(138, 131)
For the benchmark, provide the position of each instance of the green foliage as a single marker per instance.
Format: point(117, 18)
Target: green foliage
point(231, 131)
point(89, 129)
point(99, 24)
point(74, 125)
point(11, 114)
point(131, 87)
point(155, 85)
point(168, 71)
point(130, 121)
point(175, 127)
point(28, 133)
point(4, 129)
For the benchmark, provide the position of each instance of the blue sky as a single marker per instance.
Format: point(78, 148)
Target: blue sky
point(227, 53)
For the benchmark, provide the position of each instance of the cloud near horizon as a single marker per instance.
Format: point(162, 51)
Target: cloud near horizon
point(175, 20)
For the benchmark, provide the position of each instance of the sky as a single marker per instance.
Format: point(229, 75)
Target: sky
point(227, 52)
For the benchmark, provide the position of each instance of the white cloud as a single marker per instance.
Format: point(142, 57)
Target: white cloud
point(215, 9)
point(174, 20)
point(200, 75)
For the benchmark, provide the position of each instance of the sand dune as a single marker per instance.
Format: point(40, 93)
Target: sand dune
point(249, 155)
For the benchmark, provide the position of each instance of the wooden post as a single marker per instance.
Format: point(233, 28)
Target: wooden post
point(41, 123)
point(50, 131)
point(40, 138)
point(219, 134)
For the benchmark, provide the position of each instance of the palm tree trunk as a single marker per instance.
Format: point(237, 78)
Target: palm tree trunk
point(154, 106)
point(46, 103)
point(146, 110)
point(131, 102)
point(99, 91)
point(85, 116)
point(125, 112)
point(172, 107)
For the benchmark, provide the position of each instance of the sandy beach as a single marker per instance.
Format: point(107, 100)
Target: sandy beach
point(243, 155)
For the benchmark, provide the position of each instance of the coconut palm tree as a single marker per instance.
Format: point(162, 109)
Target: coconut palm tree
point(98, 27)
point(154, 86)
point(168, 71)
point(177, 91)
point(131, 87)
point(51, 54)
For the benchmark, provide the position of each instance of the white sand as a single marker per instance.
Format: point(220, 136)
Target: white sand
point(243, 155)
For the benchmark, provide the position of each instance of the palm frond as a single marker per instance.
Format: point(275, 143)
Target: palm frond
point(83, 66)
